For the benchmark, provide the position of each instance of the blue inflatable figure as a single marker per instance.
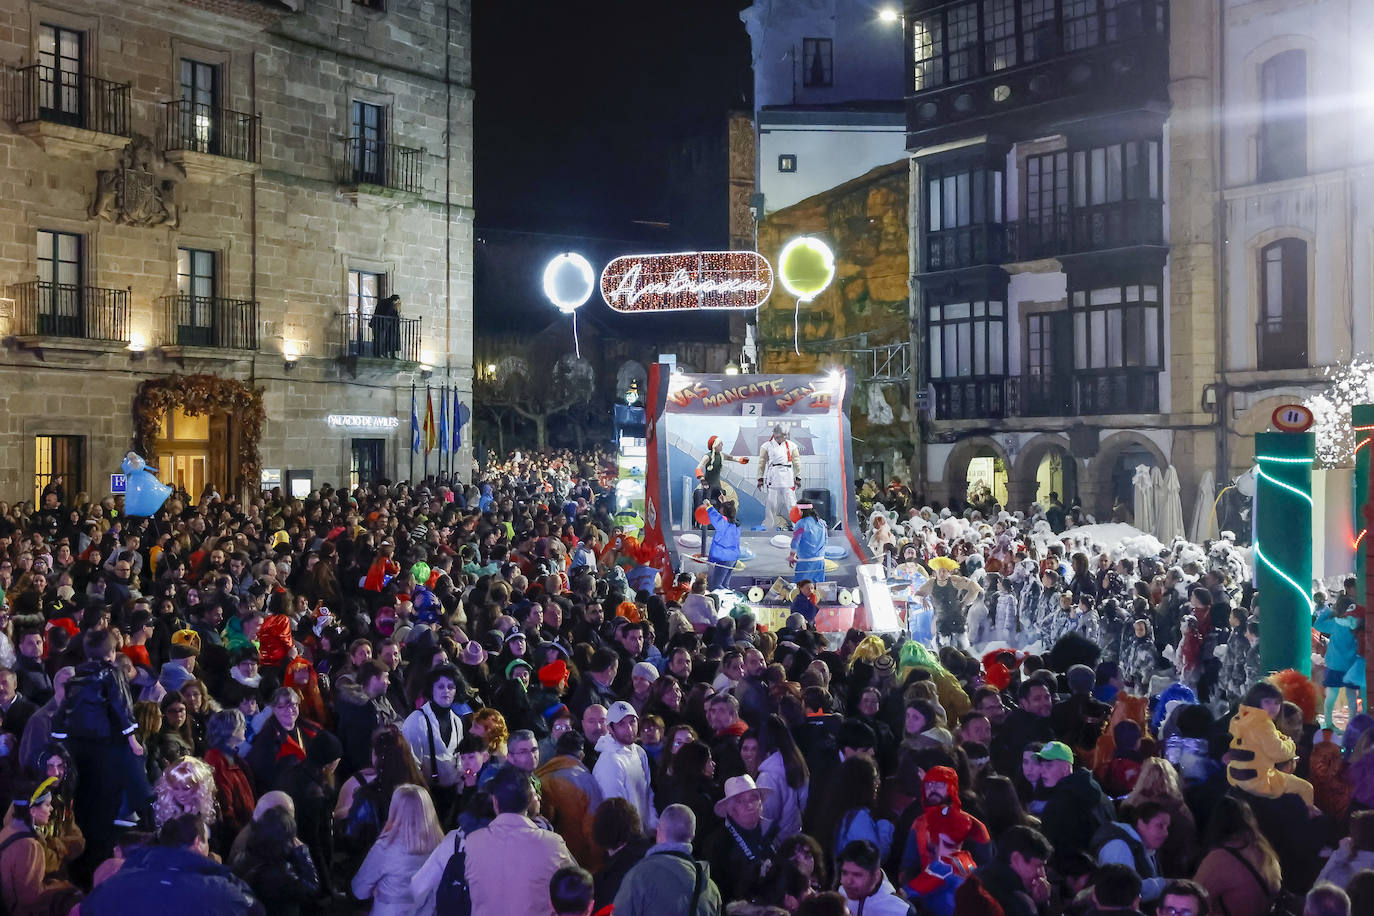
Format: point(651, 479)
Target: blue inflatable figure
point(808, 544)
point(144, 494)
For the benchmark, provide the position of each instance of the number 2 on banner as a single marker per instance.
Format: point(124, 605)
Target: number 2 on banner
point(751, 409)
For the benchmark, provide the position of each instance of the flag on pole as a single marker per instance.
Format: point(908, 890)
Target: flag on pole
point(461, 415)
point(414, 425)
point(443, 422)
point(429, 422)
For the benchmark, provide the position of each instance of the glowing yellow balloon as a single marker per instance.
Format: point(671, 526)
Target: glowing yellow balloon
point(806, 267)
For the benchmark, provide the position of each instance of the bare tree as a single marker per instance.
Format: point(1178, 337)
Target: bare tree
point(538, 393)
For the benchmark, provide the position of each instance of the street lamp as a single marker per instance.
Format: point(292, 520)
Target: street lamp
point(889, 15)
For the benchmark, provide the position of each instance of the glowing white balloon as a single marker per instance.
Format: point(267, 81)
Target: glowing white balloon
point(568, 281)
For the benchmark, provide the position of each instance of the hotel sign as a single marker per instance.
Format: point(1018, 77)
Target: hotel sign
point(688, 281)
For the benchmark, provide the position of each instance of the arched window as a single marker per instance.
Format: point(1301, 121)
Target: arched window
point(1283, 305)
point(1283, 116)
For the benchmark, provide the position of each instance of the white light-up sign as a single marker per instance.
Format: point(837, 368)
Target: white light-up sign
point(358, 421)
point(688, 281)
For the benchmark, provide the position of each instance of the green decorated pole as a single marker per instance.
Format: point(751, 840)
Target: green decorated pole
point(1283, 548)
point(1362, 419)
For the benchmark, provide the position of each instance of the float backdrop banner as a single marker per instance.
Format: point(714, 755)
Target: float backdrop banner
point(1283, 548)
point(1362, 419)
point(686, 410)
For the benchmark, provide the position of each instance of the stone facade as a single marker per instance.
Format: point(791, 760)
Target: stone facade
point(863, 312)
point(286, 231)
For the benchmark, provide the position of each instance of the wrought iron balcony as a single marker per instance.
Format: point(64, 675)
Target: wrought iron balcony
point(37, 93)
point(973, 398)
point(210, 321)
point(1116, 391)
point(1281, 344)
point(967, 246)
point(44, 309)
point(1077, 230)
point(382, 164)
point(379, 337)
point(194, 127)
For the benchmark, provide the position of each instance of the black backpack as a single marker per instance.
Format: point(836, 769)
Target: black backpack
point(453, 897)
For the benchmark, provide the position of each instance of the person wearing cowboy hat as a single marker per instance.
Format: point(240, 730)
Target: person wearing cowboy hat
point(744, 842)
point(951, 595)
point(780, 472)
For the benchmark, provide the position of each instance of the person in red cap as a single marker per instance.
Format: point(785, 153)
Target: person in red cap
point(711, 465)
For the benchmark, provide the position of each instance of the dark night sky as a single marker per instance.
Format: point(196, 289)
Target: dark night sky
point(580, 106)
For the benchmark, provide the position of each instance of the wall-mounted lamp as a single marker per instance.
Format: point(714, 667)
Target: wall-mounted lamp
point(138, 345)
point(290, 354)
point(1209, 398)
point(426, 370)
point(731, 369)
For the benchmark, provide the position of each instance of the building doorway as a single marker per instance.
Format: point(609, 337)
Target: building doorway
point(1056, 473)
point(193, 452)
point(368, 462)
point(1123, 475)
point(987, 480)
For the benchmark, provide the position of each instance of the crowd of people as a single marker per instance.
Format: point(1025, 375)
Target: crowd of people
point(487, 698)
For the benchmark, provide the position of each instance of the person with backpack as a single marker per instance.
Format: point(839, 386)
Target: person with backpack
point(668, 879)
point(504, 867)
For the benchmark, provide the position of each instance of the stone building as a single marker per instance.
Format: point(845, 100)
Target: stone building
point(202, 203)
point(1040, 137)
point(1279, 201)
point(860, 321)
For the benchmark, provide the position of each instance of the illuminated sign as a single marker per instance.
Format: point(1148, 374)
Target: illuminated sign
point(806, 267)
point(357, 421)
point(687, 282)
point(568, 281)
point(758, 396)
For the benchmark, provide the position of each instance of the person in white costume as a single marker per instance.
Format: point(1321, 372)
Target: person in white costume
point(780, 472)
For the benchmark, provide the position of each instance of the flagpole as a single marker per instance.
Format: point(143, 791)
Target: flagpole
point(425, 434)
point(411, 475)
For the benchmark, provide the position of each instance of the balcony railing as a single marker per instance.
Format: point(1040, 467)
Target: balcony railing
point(198, 128)
point(967, 246)
point(383, 164)
point(46, 309)
point(1046, 396)
point(1081, 229)
point(970, 398)
point(1282, 344)
point(211, 321)
point(1112, 391)
point(1118, 225)
point(39, 93)
point(380, 337)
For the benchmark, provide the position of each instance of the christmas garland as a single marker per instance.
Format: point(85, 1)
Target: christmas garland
point(197, 395)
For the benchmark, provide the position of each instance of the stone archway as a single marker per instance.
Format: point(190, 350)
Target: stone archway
point(956, 471)
point(1035, 471)
point(1109, 475)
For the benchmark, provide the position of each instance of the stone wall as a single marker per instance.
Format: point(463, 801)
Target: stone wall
point(286, 233)
point(864, 221)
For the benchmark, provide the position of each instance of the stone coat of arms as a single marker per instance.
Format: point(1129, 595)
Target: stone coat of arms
point(138, 191)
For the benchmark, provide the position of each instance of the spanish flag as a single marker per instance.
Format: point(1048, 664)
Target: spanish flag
point(431, 436)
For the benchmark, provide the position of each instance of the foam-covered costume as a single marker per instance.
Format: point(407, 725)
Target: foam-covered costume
point(779, 472)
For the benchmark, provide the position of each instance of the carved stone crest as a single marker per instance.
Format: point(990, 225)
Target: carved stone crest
point(138, 191)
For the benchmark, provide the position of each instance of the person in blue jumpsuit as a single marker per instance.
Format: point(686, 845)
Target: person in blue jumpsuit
point(724, 552)
point(808, 546)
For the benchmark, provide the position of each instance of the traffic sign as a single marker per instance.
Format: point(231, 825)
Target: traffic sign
point(1292, 418)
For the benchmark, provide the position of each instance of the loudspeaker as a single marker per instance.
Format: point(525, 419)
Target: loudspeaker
point(821, 500)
